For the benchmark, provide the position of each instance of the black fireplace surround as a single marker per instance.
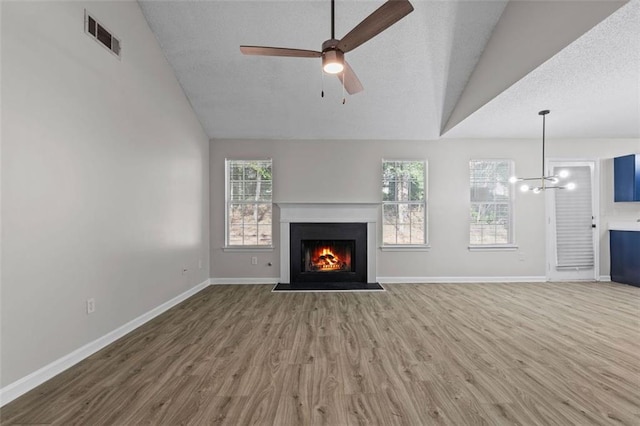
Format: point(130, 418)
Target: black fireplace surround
point(349, 242)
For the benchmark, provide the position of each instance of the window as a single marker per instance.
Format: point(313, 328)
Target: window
point(491, 221)
point(249, 186)
point(404, 203)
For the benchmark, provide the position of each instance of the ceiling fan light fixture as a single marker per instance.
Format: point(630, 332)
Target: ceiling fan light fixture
point(333, 50)
point(333, 61)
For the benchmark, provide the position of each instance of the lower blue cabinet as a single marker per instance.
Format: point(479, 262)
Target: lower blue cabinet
point(625, 257)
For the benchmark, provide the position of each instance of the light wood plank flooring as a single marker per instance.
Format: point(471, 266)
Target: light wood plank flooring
point(539, 353)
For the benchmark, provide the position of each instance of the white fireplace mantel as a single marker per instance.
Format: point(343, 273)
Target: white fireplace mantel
point(328, 213)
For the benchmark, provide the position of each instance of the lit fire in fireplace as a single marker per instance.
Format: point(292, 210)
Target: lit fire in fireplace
point(326, 259)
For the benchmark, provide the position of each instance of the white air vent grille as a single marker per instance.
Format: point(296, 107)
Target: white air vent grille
point(101, 34)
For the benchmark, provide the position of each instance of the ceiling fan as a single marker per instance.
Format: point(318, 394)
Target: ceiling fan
point(333, 50)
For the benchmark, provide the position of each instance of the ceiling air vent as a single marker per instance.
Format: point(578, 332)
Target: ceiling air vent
point(101, 34)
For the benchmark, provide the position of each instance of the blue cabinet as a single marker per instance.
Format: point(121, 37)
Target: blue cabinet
point(626, 178)
point(625, 257)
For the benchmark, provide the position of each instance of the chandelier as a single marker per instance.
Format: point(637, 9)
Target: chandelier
point(546, 182)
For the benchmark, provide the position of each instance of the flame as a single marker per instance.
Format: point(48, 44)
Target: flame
point(326, 259)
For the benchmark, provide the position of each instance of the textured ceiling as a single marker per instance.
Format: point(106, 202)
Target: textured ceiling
point(592, 88)
point(413, 73)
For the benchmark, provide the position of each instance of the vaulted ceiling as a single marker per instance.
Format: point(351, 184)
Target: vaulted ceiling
point(473, 69)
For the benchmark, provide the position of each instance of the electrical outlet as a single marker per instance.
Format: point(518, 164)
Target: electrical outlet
point(254, 260)
point(91, 305)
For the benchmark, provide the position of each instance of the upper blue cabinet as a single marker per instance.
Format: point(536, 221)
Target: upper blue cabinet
point(626, 178)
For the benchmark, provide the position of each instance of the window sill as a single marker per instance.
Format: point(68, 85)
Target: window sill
point(504, 247)
point(415, 247)
point(238, 249)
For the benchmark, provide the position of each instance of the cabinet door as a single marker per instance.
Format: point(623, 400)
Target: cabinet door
point(625, 257)
point(626, 176)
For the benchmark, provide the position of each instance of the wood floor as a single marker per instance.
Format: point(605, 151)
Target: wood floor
point(468, 354)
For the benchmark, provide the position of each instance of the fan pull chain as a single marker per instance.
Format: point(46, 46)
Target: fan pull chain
point(322, 84)
point(344, 98)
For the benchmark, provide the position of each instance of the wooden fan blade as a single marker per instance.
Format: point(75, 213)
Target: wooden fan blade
point(350, 80)
point(385, 16)
point(279, 51)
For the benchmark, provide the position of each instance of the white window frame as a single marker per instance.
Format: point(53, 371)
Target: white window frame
point(229, 202)
point(511, 244)
point(407, 247)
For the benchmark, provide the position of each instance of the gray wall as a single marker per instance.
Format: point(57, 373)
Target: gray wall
point(350, 172)
point(104, 181)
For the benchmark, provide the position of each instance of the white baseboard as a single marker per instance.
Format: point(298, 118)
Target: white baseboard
point(431, 280)
point(25, 384)
point(396, 280)
point(605, 278)
point(223, 281)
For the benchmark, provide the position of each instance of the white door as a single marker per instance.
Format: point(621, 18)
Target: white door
point(572, 242)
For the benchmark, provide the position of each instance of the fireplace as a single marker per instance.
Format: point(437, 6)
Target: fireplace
point(294, 214)
point(328, 252)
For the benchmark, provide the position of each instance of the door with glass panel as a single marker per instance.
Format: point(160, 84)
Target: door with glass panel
point(572, 243)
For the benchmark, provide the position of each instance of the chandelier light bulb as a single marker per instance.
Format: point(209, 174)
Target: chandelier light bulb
point(524, 188)
point(571, 186)
point(554, 180)
point(513, 179)
point(563, 174)
point(536, 190)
